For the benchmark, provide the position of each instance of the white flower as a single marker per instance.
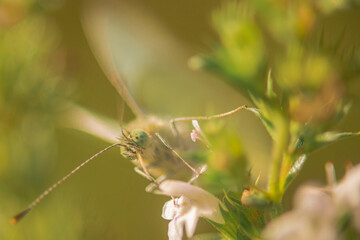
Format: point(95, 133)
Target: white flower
point(193, 202)
point(318, 210)
point(294, 225)
point(313, 218)
point(315, 202)
point(347, 194)
point(198, 134)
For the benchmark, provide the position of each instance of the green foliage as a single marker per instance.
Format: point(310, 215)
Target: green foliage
point(32, 89)
point(207, 236)
point(241, 222)
point(281, 54)
point(226, 163)
point(278, 54)
point(241, 53)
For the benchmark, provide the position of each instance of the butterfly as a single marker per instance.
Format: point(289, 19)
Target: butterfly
point(155, 145)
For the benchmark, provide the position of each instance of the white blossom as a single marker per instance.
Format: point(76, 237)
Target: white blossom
point(317, 210)
point(347, 194)
point(198, 134)
point(313, 217)
point(184, 211)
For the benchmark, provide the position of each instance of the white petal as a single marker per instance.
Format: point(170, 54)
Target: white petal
point(196, 125)
point(191, 219)
point(194, 135)
point(179, 188)
point(169, 210)
point(347, 192)
point(175, 231)
point(206, 203)
point(215, 215)
point(182, 201)
point(314, 201)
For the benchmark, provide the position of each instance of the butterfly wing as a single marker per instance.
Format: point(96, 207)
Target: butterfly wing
point(97, 25)
point(127, 42)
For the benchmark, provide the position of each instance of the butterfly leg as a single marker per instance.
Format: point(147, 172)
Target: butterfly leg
point(178, 155)
point(144, 170)
point(139, 171)
point(221, 115)
point(200, 170)
point(152, 186)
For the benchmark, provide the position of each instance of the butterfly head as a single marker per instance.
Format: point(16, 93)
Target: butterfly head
point(133, 142)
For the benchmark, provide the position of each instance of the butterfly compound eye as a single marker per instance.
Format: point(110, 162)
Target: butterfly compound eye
point(140, 137)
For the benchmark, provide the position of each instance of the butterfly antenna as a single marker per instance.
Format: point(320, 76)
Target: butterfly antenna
point(221, 115)
point(122, 120)
point(122, 114)
point(22, 214)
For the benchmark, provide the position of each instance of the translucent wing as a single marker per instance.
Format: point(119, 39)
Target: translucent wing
point(97, 25)
point(129, 43)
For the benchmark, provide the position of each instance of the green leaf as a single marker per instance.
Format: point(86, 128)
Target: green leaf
point(329, 137)
point(341, 111)
point(270, 86)
point(240, 235)
point(207, 236)
point(312, 142)
point(241, 222)
point(294, 170)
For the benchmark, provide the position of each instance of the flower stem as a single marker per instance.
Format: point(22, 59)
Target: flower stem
point(285, 167)
point(279, 148)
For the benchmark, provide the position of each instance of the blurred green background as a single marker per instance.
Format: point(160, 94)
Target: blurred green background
point(45, 58)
